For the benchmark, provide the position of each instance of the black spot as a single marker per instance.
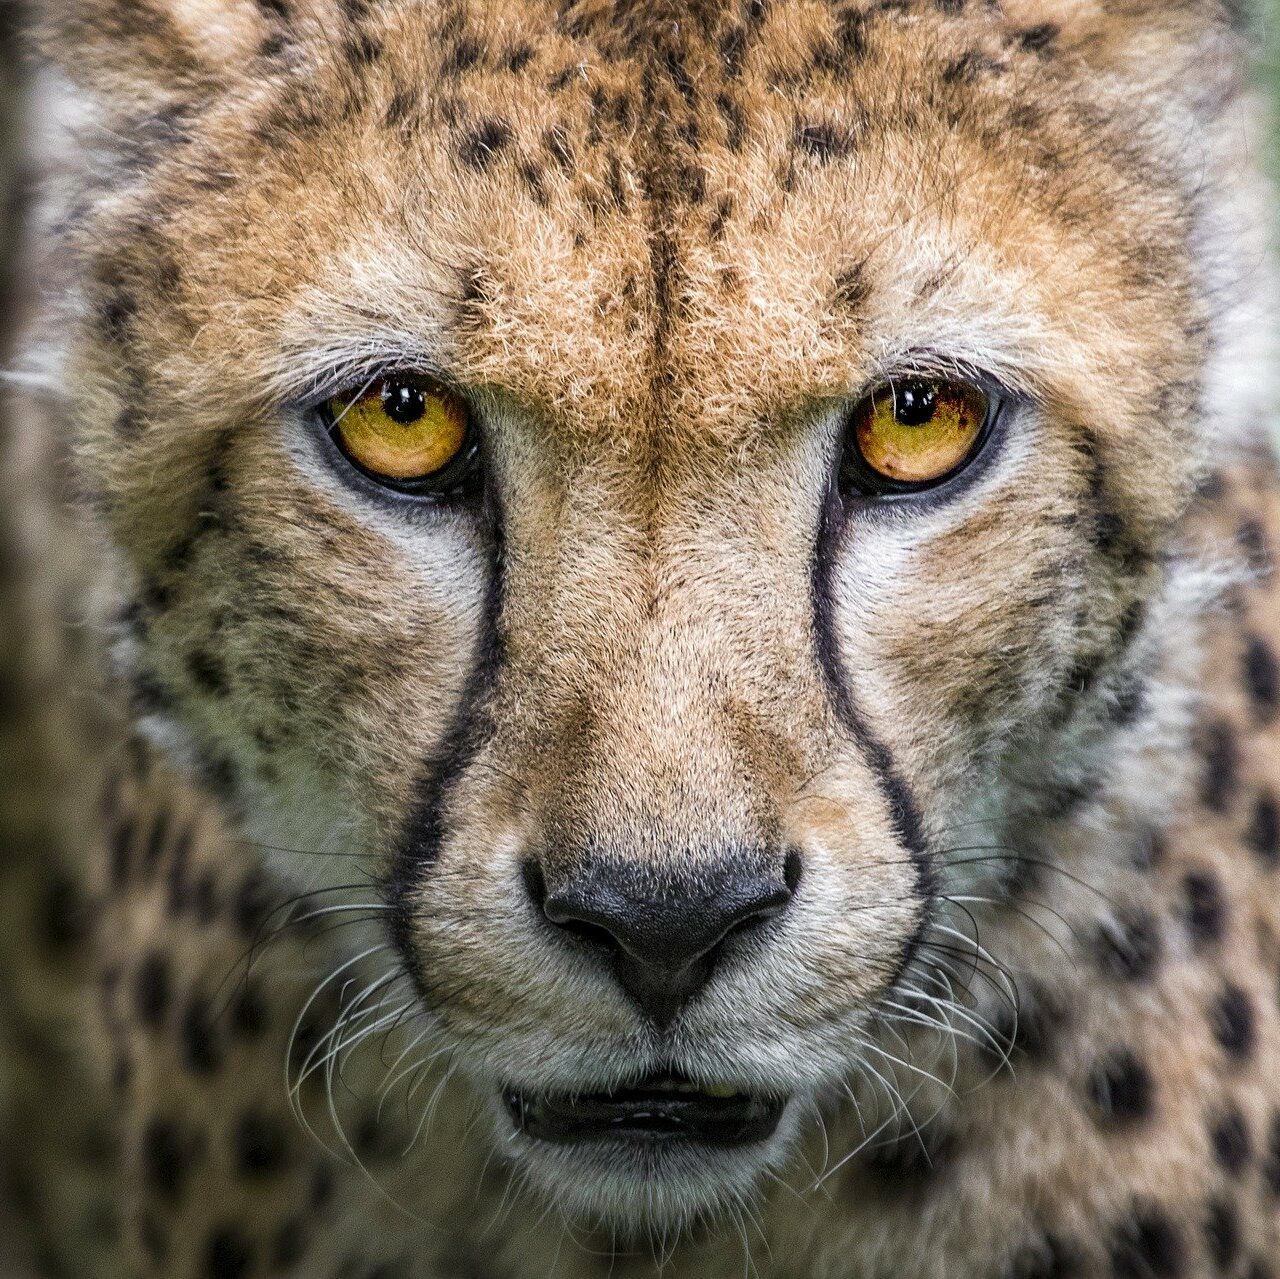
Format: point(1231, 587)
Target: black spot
point(463, 56)
point(1048, 1258)
point(1232, 1145)
point(535, 183)
point(177, 880)
point(261, 1147)
point(617, 185)
point(251, 905)
point(208, 673)
point(1128, 945)
point(1222, 1234)
point(691, 181)
point(1271, 1162)
point(1262, 679)
point(907, 1162)
point(1252, 539)
point(205, 897)
point(679, 73)
point(400, 108)
point(218, 775)
point(970, 67)
point(201, 1049)
point(1121, 1088)
point(1233, 1020)
point(164, 1160)
point(373, 1140)
point(735, 123)
point(117, 313)
point(732, 47)
point(1206, 910)
point(289, 1245)
point(1221, 766)
point(1263, 835)
point(483, 143)
point(229, 1254)
point(851, 289)
point(519, 58)
point(1260, 1269)
point(1212, 487)
point(121, 852)
point(156, 595)
point(121, 1076)
point(151, 990)
point(157, 841)
point(1128, 698)
point(851, 36)
point(720, 218)
point(363, 50)
point(1039, 38)
point(1028, 1032)
point(321, 1186)
point(1147, 1246)
point(64, 915)
point(248, 1013)
point(825, 142)
point(564, 78)
point(147, 695)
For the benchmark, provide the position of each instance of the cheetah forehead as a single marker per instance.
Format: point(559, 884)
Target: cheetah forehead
point(728, 205)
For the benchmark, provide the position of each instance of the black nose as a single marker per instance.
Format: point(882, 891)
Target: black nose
point(664, 931)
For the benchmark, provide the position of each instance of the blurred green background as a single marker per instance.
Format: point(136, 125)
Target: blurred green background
point(1270, 26)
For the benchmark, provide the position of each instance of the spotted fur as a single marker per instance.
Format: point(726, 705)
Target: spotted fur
point(1019, 736)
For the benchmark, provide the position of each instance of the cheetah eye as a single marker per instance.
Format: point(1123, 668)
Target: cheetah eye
point(406, 431)
point(913, 434)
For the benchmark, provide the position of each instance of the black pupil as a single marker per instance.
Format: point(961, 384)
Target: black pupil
point(403, 403)
point(915, 403)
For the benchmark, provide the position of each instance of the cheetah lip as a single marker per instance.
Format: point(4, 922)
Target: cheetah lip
point(659, 1108)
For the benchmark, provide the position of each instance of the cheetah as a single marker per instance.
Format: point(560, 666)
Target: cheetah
point(642, 640)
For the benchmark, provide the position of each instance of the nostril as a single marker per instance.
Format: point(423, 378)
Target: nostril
point(564, 911)
point(663, 935)
point(535, 882)
point(792, 870)
point(594, 933)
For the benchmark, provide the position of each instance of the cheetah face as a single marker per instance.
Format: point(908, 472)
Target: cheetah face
point(640, 491)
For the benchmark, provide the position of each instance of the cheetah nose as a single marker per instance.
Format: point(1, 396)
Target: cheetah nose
point(664, 933)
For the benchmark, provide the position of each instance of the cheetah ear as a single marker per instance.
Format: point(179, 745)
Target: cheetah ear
point(1189, 51)
point(1101, 23)
point(140, 51)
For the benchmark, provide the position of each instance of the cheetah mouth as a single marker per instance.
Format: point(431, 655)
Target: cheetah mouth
point(658, 1108)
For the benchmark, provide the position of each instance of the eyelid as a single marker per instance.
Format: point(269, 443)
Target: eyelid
point(321, 390)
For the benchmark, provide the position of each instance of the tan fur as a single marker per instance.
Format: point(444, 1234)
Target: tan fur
point(663, 248)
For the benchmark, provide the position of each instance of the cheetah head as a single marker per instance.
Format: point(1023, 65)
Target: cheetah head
point(641, 481)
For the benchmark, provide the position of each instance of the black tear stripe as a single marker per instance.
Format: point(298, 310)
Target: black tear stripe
point(425, 831)
point(893, 786)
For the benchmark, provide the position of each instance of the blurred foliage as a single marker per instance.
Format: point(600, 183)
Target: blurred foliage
point(1270, 17)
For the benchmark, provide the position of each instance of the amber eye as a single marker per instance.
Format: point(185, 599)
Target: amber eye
point(914, 433)
point(406, 430)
